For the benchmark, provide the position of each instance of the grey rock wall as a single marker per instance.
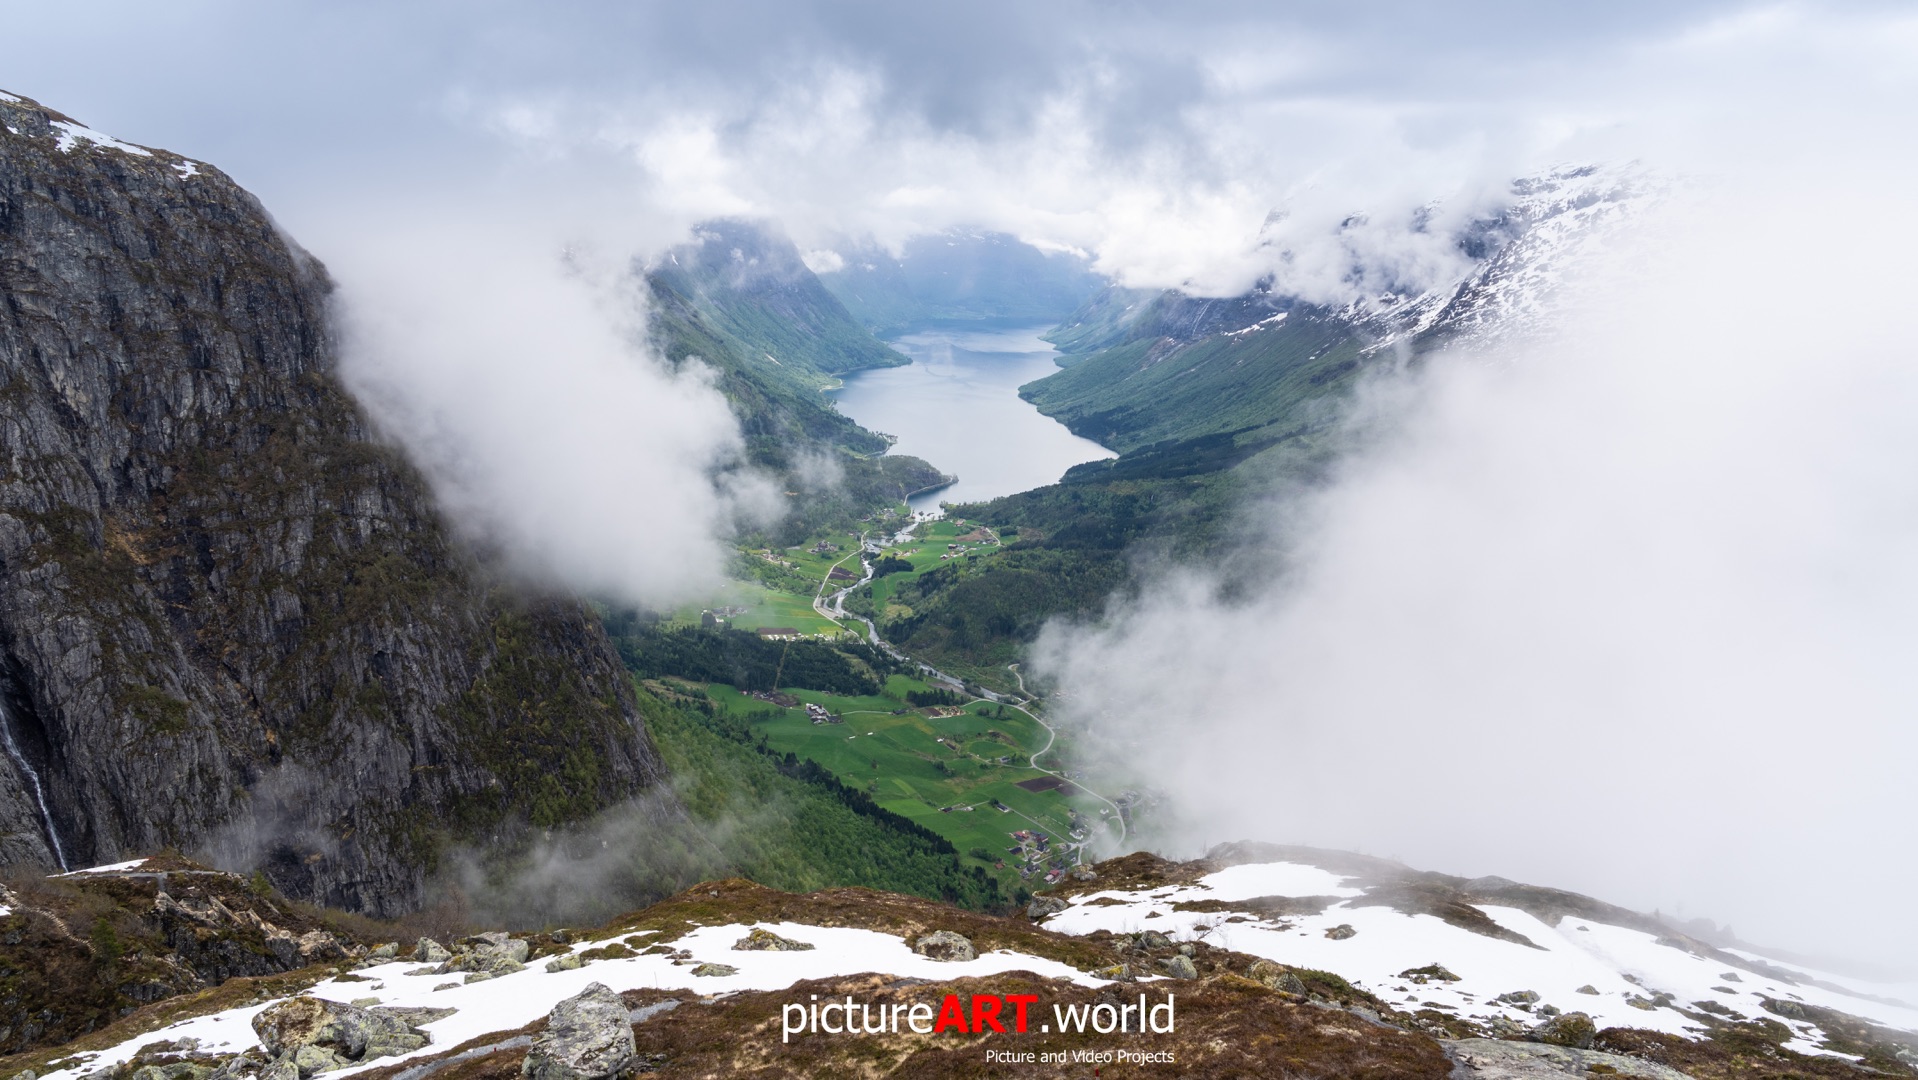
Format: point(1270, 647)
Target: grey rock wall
point(231, 621)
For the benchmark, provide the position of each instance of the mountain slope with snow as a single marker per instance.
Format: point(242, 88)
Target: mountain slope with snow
point(1340, 964)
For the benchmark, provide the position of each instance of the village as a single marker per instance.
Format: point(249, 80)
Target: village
point(935, 754)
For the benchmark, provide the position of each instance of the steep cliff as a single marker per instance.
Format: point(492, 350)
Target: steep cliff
point(230, 619)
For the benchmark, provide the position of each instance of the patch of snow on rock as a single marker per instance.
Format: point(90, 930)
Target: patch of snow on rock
point(72, 135)
point(110, 868)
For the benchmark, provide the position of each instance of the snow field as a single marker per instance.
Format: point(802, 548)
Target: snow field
point(1575, 953)
point(512, 1001)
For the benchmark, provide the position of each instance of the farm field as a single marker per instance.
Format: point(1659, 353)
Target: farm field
point(764, 607)
point(942, 771)
point(927, 551)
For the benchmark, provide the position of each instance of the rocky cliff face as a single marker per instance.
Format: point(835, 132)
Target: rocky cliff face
point(230, 620)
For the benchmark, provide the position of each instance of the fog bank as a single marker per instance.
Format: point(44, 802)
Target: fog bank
point(1630, 611)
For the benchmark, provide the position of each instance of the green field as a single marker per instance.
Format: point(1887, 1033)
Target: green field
point(931, 540)
point(943, 773)
point(764, 607)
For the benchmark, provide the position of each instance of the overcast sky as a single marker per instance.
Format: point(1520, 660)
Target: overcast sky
point(1155, 136)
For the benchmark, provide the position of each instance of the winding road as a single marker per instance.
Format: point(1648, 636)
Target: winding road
point(834, 608)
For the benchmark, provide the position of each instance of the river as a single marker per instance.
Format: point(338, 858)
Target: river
point(957, 405)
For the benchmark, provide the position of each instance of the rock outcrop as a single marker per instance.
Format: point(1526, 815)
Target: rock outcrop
point(588, 1037)
point(231, 619)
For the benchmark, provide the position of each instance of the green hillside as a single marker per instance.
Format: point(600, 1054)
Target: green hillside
point(1153, 389)
point(739, 300)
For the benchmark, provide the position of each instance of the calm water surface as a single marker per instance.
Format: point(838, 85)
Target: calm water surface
point(957, 405)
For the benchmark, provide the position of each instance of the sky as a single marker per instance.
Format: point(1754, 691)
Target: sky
point(1691, 508)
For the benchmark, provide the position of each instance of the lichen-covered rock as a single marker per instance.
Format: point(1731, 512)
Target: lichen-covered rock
point(312, 1060)
point(487, 956)
point(587, 1037)
point(715, 970)
point(1180, 966)
point(944, 945)
point(1276, 976)
point(205, 553)
point(767, 941)
point(1152, 939)
point(566, 962)
point(1043, 906)
point(336, 1033)
point(429, 951)
point(1341, 932)
point(1574, 1029)
point(1524, 999)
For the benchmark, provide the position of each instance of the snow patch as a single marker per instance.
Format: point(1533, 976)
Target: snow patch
point(109, 868)
point(186, 169)
point(1626, 967)
point(511, 1001)
point(1280, 317)
point(72, 135)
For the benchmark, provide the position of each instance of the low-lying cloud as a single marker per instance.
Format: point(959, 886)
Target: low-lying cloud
point(1631, 610)
point(520, 380)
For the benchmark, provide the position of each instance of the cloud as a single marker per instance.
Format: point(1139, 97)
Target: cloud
point(1159, 140)
point(520, 381)
point(1630, 611)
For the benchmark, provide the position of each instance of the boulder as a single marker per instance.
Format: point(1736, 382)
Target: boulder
point(587, 1037)
point(1588, 988)
point(716, 970)
point(1341, 932)
point(489, 955)
point(1573, 1029)
point(429, 951)
point(318, 946)
point(385, 952)
point(1152, 939)
point(344, 1032)
point(1502, 1028)
point(1524, 999)
point(1180, 966)
point(767, 941)
point(944, 945)
point(1428, 973)
point(313, 1060)
point(565, 962)
point(1277, 976)
point(1043, 906)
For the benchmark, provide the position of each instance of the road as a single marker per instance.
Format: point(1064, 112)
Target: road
point(835, 608)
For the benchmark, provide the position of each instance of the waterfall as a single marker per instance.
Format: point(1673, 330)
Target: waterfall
point(33, 784)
